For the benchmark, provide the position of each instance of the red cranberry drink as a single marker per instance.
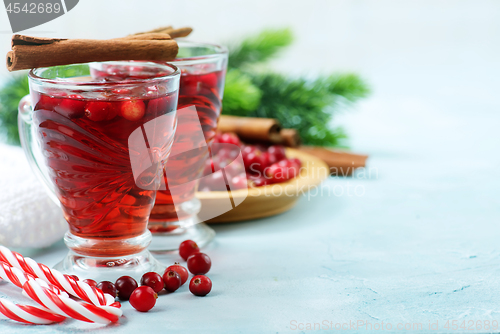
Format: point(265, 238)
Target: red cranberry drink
point(105, 138)
point(203, 70)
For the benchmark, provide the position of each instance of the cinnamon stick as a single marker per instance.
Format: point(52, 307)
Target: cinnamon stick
point(252, 129)
point(290, 137)
point(175, 33)
point(30, 52)
point(341, 163)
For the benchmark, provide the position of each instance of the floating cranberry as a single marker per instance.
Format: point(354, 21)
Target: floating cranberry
point(125, 285)
point(107, 287)
point(158, 106)
point(100, 111)
point(183, 273)
point(188, 248)
point(132, 110)
point(199, 263)
point(46, 102)
point(171, 280)
point(152, 280)
point(200, 285)
point(71, 107)
point(143, 298)
point(210, 79)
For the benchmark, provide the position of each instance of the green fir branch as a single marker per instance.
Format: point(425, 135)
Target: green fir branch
point(10, 95)
point(259, 48)
point(305, 105)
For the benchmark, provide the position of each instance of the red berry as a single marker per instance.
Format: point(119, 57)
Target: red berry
point(72, 107)
point(283, 170)
point(278, 151)
point(90, 282)
point(183, 273)
point(143, 298)
point(200, 285)
point(247, 149)
point(268, 159)
point(158, 106)
point(188, 248)
point(254, 162)
point(133, 110)
point(171, 280)
point(107, 287)
point(125, 285)
point(230, 138)
point(152, 280)
point(100, 111)
point(296, 161)
point(199, 263)
point(210, 80)
point(259, 181)
point(239, 182)
point(44, 102)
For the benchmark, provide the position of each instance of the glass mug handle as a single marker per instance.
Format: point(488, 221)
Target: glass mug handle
point(30, 145)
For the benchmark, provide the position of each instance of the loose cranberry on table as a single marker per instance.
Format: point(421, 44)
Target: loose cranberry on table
point(171, 280)
point(153, 280)
point(200, 285)
point(199, 263)
point(90, 282)
point(107, 287)
point(188, 248)
point(183, 273)
point(125, 285)
point(143, 298)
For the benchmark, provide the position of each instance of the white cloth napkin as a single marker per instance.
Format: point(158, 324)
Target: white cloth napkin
point(28, 217)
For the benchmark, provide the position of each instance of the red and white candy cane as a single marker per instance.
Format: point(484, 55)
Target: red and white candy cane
point(18, 277)
point(64, 282)
point(67, 307)
point(56, 304)
point(28, 314)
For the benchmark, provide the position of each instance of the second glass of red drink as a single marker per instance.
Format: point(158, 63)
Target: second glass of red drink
point(174, 216)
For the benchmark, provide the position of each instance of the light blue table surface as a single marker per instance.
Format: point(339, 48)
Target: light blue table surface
point(415, 241)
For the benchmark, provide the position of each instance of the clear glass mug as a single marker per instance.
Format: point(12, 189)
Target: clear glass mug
point(99, 144)
point(174, 217)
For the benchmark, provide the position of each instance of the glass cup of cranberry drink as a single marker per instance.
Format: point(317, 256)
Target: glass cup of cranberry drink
point(174, 216)
point(99, 141)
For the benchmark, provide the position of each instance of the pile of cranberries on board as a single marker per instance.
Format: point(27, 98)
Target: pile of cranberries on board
point(262, 165)
point(142, 296)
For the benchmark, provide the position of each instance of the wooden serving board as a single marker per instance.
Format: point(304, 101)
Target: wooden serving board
point(268, 200)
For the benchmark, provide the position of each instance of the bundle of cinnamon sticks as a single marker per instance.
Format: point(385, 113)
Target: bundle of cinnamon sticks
point(156, 45)
point(269, 131)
